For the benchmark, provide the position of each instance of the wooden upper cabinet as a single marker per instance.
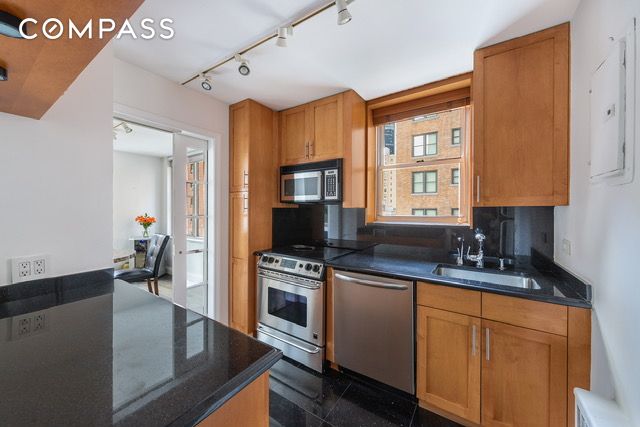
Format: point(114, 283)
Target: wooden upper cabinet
point(239, 224)
point(448, 362)
point(294, 135)
point(521, 121)
point(326, 130)
point(524, 377)
point(239, 149)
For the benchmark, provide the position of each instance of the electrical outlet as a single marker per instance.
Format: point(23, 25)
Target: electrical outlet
point(28, 325)
point(30, 268)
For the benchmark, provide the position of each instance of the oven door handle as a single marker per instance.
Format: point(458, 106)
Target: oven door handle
point(281, 280)
point(372, 283)
point(315, 350)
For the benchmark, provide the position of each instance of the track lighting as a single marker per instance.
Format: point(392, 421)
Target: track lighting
point(344, 17)
point(283, 33)
point(125, 126)
point(244, 65)
point(206, 81)
point(3, 74)
point(10, 25)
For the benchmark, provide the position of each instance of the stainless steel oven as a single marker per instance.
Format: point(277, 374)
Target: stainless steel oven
point(311, 182)
point(291, 310)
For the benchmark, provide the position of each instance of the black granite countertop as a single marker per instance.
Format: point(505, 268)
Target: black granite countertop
point(416, 263)
point(102, 352)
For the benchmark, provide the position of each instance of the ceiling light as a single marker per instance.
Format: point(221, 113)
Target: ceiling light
point(344, 17)
point(3, 74)
point(283, 33)
point(244, 65)
point(206, 82)
point(10, 25)
point(126, 127)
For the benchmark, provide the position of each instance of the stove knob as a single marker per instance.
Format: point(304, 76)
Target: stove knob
point(307, 267)
point(264, 258)
point(271, 259)
point(316, 268)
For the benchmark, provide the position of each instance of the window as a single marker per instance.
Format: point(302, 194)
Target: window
point(425, 182)
point(418, 178)
point(196, 197)
point(424, 212)
point(455, 212)
point(425, 144)
point(455, 176)
point(455, 136)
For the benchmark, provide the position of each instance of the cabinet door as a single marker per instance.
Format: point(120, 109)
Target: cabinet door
point(239, 222)
point(521, 119)
point(239, 149)
point(327, 129)
point(238, 295)
point(524, 377)
point(448, 367)
point(294, 136)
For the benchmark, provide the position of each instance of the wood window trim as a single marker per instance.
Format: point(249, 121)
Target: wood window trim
point(442, 89)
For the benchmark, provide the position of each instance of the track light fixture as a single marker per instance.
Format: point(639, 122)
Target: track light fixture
point(283, 33)
point(344, 17)
point(3, 74)
point(244, 65)
point(10, 25)
point(206, 81)
point(125, 126)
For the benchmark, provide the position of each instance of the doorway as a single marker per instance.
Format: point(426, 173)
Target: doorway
point(165, 175)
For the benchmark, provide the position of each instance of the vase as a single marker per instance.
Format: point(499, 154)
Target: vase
point(145, 233)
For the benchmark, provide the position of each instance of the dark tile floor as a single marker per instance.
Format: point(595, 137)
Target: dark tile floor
point(302, 397)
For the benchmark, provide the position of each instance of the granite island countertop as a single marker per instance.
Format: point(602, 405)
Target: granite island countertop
point(107, 353)
point(417, 263)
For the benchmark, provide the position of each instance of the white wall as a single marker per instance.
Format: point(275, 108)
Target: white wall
point(55, 183)
point(602, 221)
point(139, 187)
point(142, 95)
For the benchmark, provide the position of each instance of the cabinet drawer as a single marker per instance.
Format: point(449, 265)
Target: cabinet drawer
point(447, 298)
point(528, 314)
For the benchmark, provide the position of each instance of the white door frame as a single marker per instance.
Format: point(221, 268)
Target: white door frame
point(218, 226)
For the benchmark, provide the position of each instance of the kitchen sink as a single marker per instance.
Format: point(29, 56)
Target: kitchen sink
point(504, 279)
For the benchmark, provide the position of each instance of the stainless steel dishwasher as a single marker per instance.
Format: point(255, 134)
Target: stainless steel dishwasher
point(373, 327)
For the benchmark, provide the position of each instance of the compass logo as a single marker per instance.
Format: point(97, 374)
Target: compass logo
point(54, 28)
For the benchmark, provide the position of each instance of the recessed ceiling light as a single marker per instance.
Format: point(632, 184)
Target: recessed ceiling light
point(344, 17)
point(10, 25)
point(244, 65)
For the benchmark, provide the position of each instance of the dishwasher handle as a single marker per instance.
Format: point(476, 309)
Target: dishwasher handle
point(372, 283)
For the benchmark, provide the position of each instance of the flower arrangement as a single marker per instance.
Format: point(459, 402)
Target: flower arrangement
point(145, 221)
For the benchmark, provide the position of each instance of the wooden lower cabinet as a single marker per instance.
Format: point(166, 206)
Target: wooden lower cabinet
point(248, 408)
point(524, 377)
point(448, 364)
point(238, 295)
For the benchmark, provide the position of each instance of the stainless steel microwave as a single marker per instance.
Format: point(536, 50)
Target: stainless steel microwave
point(312, 182)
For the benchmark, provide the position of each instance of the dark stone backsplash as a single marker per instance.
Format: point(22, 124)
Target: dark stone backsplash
point(522, 228)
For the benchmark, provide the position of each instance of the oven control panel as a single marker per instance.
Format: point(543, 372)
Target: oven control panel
point(291, 265)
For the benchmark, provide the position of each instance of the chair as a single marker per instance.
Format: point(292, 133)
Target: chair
point(155, 252)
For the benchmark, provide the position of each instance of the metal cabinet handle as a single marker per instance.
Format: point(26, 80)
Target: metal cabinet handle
point(488, 340)
point(478, 188)
point(245, 178)
point(306, 150)
point(245, 203)
point(473, 340)
point(371, 283)
point(312, 148)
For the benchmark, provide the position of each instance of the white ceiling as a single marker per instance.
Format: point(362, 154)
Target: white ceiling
point(143, 140)
point(390, 45)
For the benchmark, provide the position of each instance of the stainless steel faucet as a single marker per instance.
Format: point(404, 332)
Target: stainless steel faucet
point(479, 257)
point(460, 249)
